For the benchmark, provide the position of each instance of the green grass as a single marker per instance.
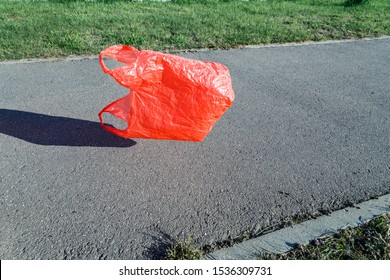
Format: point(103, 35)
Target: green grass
point(36, 29)
point(183, 250)
point(370, 241)
point(355, 2)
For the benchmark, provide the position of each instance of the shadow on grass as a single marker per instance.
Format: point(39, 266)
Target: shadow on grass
point(57, 131)
point(351, 3)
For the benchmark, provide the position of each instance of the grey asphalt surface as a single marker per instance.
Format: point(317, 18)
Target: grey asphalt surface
point(309, 132)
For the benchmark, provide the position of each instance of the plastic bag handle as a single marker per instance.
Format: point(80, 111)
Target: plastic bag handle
point(111, 129)
point(118, 53)
point(114, 109)
point(103, 66)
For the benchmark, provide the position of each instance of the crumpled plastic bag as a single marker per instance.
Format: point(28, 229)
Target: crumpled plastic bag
point(170, 97)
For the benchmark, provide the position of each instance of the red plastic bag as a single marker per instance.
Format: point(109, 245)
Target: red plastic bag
point(170, 97)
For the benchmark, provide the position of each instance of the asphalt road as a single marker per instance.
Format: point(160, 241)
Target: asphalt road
point(309, 132)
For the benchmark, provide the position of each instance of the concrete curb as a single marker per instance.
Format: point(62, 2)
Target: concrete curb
point(285, 239)
point(52, 59)
point(76, 58)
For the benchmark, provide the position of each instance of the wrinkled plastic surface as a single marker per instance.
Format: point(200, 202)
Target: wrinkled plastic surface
point(170, 97)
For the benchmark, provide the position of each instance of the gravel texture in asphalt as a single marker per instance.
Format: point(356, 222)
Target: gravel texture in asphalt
point(309, 132)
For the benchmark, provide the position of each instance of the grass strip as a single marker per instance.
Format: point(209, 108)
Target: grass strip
point(370, 241)
point(54, 28)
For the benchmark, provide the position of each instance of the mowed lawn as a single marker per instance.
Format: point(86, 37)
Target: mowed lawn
point(32, 29)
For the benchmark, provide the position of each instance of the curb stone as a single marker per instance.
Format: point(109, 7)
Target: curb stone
point(286, 239)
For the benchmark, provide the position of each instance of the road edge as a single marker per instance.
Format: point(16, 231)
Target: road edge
point(89, 57)
point(286, 239)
